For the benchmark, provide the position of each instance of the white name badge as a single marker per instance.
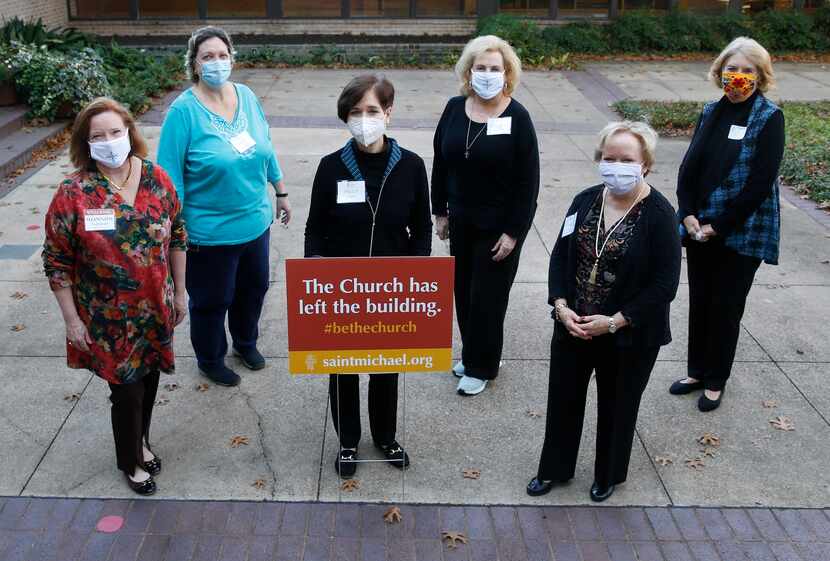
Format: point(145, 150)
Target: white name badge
point(499, 125)
point(99, 219)
point(736, 132)
point(351, 192)
point(570, 224)
point(242, 142)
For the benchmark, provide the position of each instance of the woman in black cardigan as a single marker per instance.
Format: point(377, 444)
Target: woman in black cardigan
point(613, 272)
point(370, 198)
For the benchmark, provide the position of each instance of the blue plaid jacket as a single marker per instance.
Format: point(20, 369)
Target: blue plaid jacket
point(759, 235)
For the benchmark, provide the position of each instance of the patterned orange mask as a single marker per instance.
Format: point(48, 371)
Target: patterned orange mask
point(738, 84)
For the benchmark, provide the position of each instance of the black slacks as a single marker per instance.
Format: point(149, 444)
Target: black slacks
point(383, 407)
point(621, 375)
point(719, 282)
point(132, 410)
point(482, 292)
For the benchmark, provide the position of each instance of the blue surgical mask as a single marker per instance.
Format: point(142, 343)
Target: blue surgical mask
point(487, 84)
point(216, 72)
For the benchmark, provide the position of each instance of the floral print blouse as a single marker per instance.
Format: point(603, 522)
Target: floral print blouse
point(120, 279)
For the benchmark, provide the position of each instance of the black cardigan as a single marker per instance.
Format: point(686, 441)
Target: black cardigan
point(497, 187)
point(404, 225)
point(647, 275)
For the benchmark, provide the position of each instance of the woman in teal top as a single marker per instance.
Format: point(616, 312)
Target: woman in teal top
point(216, 146)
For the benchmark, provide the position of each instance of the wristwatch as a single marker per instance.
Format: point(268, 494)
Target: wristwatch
point(612, 326)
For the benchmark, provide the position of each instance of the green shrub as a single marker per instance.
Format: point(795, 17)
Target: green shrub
point(729, 25)
point(637, 31)
point(55, 84)
point(785, 31)
point(33, 32)
point(691, 32)
point(806, 163)
point(580, 37)
point(666, 117)
point(523, 34)
point(821, 20)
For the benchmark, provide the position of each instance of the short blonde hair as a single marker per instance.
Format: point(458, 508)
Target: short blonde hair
point(642, 131)
point(483, 44)
point(756, 54)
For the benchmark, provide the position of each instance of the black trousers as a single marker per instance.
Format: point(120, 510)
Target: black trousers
point(226, 279)
point(132, 410)
point(383, 407)
point(621, 375)
point(482, 291)
point(719, 282)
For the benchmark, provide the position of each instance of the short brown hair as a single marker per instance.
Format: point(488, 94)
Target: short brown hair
point(79, 143)
point(357, 88)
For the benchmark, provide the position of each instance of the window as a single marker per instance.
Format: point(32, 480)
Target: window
point(236, 8)
point(582, 8)
point(168, 9)
point(540, 8)
point(100, 9)
point(445, 8)
point(380, 8)
point(305, 9)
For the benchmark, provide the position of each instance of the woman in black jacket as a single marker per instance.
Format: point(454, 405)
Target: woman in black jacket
point(613, 272)
point(370, 198)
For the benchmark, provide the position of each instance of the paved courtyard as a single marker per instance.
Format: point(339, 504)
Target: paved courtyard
point(54, 426)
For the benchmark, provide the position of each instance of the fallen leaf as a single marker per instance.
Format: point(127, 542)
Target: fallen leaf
point(471, 473)
point(72, 397)
point(258, 484)
point(162, 401)
point(453, 539)
point(171, 387)
point(34, 210)
point(782, 423)
point(18, 327)
point(663, 460)
point(826, 262)
point(709, 439)
point(695, 464)
point(238, 441)
point(769, 404)
point(392, 515)
point(19, 295)
point(533, 414)
point(709, 452)
point(350, 485)
point(202, 387)
point(799, 352)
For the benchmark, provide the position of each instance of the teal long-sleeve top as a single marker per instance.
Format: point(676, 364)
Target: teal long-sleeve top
point(221, 170)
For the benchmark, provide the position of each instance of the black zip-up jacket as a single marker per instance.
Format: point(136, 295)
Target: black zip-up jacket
point(647, 275)
point(403, 224)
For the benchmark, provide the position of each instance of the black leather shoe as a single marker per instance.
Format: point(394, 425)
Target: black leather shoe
point(705, 404)
point(599, 494)
point(153, 467)
point(221, 375)
point(252, 359)
point(146, 487)
point(679, 388)
point(538, 487)
point(394, 454)
point(344, 463)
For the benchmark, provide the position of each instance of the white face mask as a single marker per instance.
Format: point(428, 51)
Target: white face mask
point(619, 177)
point(487, 85)
point(367, 130)
point(111, 153)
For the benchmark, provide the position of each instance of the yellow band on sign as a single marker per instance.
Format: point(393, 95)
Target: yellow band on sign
point(359, 361)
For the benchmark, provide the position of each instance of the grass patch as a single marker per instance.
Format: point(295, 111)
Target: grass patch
point(806, 164)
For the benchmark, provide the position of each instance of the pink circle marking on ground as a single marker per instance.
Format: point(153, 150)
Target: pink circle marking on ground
point(110, 524)
point(33, 227)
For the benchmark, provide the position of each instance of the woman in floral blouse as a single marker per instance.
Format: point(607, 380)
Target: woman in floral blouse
point(115, 259)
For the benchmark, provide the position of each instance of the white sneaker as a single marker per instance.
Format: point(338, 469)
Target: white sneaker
point(471, 386)
point(458, 369)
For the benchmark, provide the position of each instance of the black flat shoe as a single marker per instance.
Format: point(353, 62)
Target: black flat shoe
point(704, 404)
point(344, 463)
point(394, 454)
point(221, 375)
point(153, 467)
point(252, 359)
point(538, 487)
point(599, 494)
point(146, 487)
point(679, 388)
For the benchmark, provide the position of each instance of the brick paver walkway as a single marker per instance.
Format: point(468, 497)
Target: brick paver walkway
point(65, 530)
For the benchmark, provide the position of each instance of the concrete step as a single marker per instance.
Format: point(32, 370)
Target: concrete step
point(16, 148)
point(12, 118)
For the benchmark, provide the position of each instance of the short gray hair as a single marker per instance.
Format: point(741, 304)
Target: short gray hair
point(644, 133)
point(196, 39)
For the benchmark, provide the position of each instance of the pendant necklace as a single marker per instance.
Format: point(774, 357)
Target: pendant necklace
point(467, 143)
point(113, 183)
point(599, 250)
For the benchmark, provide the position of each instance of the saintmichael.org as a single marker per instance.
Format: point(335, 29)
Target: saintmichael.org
point(375, 360)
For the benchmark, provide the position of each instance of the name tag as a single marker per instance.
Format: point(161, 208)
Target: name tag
point(570, 224)
point(499, 125)
point(99, 219)
point(736, 132)
point(243, 142)
point(351, 192)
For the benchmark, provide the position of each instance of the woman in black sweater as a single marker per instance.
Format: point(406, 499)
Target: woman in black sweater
point(370, 198)
point(485, 181)
point(727, 192)
point(613, 272)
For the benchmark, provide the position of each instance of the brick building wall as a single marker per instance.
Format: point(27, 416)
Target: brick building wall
point(52, 12)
